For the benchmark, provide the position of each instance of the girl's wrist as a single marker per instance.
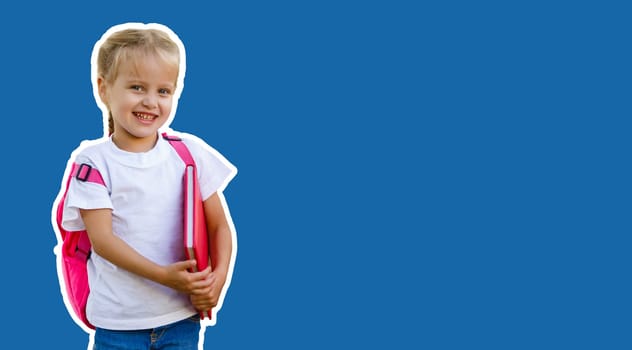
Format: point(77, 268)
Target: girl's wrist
point(160, 274)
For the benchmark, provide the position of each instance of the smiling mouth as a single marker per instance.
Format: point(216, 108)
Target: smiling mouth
point(145, 116)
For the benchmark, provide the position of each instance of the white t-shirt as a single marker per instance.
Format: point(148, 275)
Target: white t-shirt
point(144, 191)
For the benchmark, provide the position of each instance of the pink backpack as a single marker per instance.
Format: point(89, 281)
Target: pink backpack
point(76, 247)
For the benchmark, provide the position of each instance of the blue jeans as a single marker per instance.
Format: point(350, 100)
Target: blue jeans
point(181, 335)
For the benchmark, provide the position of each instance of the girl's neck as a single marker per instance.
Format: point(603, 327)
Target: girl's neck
point(133, 144)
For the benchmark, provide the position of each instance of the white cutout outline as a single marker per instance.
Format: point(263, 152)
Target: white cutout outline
point(165, 128)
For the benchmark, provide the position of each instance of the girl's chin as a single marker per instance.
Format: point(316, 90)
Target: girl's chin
point(143, 131)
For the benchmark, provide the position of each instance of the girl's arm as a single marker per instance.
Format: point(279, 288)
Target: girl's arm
point(221, 246)
point(220, 238)
point(98, 224)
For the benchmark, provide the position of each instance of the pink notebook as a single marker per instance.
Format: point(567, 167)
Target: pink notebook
point(195, 237)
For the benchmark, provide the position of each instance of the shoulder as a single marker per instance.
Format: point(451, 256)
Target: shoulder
point(205, 156)
point(91, 152)
point(90, 148)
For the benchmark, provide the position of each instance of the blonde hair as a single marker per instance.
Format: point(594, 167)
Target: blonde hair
point(133, 44)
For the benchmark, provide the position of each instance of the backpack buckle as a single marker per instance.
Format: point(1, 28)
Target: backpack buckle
point(82, 175)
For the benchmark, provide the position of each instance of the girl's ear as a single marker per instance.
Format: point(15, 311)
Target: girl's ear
point(101, 85)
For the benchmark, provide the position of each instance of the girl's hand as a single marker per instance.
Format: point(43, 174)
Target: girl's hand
point(178, 277)
point(206, 298)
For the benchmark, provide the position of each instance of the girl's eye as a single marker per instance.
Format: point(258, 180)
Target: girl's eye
point(137, 87)
point(164, 91)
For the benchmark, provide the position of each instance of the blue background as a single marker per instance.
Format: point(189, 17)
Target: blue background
point(437, 176)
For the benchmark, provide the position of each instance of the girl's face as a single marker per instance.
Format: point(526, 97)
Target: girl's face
point(140, 100)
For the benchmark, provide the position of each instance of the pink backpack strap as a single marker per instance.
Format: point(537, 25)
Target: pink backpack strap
point(180, 148)
point(84, 172)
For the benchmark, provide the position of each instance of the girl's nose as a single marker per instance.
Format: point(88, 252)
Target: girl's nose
point(150, 101)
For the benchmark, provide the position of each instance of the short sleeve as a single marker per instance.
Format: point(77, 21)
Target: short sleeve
point(83, 195)
point(214, 171)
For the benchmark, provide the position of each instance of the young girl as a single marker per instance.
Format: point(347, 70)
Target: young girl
point(142, 294)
